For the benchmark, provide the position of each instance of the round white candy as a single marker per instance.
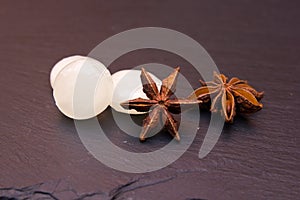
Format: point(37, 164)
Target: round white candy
point(127, 86)
point(60, 65)
point(83, 89)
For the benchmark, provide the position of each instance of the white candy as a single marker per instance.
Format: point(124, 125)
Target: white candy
point(83, 88)
point(128, 85)
point(60, 65)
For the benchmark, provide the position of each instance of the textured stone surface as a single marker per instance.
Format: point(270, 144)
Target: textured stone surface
point(41, 156)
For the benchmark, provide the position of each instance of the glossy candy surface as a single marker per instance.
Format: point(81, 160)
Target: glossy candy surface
point(83, 88)
point(128, 85)
point(60, 65)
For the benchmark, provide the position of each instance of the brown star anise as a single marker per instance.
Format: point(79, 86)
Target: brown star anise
point(159, 104)
point(233, 96)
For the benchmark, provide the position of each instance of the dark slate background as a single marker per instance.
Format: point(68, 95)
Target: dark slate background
point(256, 158)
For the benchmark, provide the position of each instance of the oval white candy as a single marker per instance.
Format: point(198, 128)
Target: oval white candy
point(60, 65)
point(127, 85)
point(83, 88)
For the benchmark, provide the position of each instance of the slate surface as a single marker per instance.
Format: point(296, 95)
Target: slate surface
point(256, 158)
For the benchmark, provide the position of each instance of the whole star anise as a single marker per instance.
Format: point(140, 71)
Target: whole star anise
point(159, 104)
point(233, 96)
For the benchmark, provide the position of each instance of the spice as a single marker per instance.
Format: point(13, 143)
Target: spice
point(233, 96)
point(159, 103)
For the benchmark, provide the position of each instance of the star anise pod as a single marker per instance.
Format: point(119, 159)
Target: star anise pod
point(233, 96)
point(159, 103)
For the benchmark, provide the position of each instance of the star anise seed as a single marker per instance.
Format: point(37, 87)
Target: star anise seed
point(159, 104)
point(234, 96)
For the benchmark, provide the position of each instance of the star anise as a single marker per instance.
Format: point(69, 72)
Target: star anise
point(159, 103)
point(233, 96)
